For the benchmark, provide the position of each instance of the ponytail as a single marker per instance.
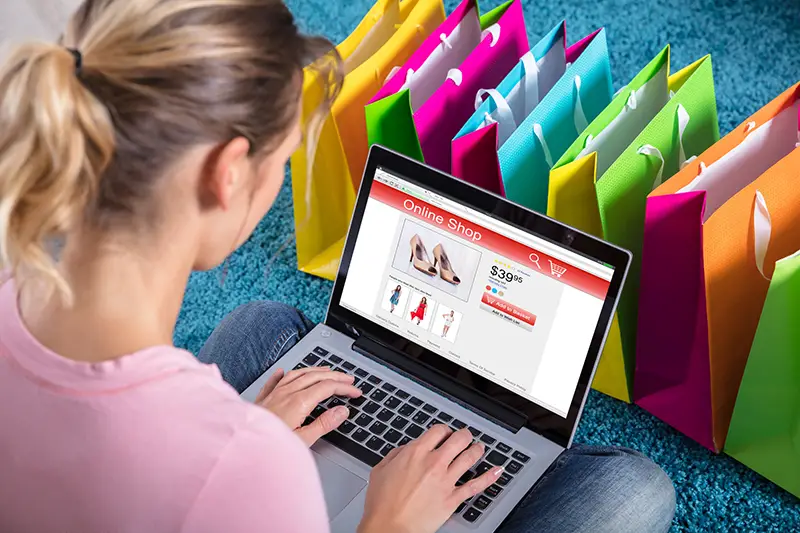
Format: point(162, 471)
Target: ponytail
point(55, 141)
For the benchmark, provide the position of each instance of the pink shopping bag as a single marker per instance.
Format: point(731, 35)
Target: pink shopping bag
point(441, 86)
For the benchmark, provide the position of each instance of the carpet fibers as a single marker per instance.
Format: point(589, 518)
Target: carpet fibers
point(754, 46)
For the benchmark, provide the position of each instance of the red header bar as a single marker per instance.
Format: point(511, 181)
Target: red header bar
point(490, 240)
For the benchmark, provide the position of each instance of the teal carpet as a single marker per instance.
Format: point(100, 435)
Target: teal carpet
point(755, 47)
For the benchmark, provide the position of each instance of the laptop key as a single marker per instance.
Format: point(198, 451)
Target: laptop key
point(344, 442)
point(308, 420)
point(386, 449)
point(393, 436)
point(371, 408)
point(319, 350)
point(378, 427)
point(496, 458)
point(513, 467)
point(415, 401)
point(299, 366)
point(375, 380)
point(420, 417)
point(460, 508)
point(378, 395)
point(472, 514)
point(385, 415)
point(347, 365)
point(365, 387)
point(318, 410)
point(483, 468)
point(403, 395)
point(326, 363)
point(406, 410)
point(487, 439)
point(311, 359)
point(467, 476)
point(364, 420)
point(361, 373)
point(346, 427)
point(504, 448)
point(335, 358)
point(399, 422)
point(428, 408)
point(444, 417)
point(458, 424)
point(482, 502)
point(357, 401)
point(493, 491)
point(392, 402)
point(521, 457)
point(336, 402)
point(431, 423)
point(360, 435)
point(375, 443)
point(405, 440)
point(414, 431)
point(504, 479)
point(475, 432)
point(388, 387)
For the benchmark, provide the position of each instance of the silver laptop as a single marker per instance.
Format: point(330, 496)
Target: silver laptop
point(455, 306)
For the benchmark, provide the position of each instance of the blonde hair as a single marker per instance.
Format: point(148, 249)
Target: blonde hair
point(84, 137)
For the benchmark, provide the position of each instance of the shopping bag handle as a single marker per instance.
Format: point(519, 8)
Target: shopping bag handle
point(506, 125)
point(420, 36)
point(530, 82)
point(762, 231)
point(651, 151)
point(494, 31)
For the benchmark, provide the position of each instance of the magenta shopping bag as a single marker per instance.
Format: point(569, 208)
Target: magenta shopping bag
point(438, 89)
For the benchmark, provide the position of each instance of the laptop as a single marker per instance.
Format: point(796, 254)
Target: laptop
point(455, 306)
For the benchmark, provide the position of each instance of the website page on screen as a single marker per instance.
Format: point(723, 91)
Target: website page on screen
point(511, 307)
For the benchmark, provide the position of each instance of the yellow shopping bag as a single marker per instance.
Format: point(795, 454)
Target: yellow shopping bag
point(323, 202)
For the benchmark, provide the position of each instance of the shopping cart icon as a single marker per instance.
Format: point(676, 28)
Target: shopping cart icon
point(557, 270)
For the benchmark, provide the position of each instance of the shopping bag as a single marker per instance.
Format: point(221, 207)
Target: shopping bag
point(572, 197)
point(685, 126)
point(422, 107)
point(474, 149)
point(575, 100)
point(323, 203)
point(711, 238)
point(366, 78)
point(765, 428)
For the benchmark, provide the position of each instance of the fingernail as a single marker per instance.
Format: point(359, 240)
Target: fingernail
point(497, 471)
point(341, 412)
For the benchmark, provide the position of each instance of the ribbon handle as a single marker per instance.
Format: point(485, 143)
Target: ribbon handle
point(530, 81)
point(494, 31)
point(505, 117)
point(652, 151)
point(537, 130)
point(762, 231)
point(578, 116)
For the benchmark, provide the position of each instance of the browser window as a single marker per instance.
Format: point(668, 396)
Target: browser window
point(511, 307)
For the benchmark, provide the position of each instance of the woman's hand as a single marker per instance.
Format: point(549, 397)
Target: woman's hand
point(413, 489)
point(293, 396)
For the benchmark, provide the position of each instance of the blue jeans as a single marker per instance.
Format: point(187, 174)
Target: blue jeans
point(587, 489)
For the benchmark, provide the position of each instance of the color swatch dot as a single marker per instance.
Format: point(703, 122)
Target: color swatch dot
point(494, 291)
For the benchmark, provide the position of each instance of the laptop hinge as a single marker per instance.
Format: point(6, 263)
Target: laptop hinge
point(484, 405)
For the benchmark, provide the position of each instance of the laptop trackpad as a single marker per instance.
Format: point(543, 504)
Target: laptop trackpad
point(340, 485)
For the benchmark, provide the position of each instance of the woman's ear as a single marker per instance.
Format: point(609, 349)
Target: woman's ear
point(228, 170)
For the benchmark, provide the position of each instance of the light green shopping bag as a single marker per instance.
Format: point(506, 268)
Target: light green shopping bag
point(765, 428)
point(600, 184)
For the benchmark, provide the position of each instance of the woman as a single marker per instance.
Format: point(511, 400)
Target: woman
point(448, 321)
point(146, 145)
point(419, 312)
point(394, 299)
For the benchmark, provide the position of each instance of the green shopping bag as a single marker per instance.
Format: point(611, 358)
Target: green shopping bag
point(765, 428)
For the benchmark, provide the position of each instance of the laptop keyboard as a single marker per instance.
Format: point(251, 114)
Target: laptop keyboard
point(385, 416)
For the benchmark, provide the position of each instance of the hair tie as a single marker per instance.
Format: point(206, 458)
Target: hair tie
point(78, 60)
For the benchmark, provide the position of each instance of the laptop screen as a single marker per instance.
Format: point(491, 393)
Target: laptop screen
point(513, 308)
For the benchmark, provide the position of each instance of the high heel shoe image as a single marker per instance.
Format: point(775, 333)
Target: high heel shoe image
point(445, 266)
point(420, 258)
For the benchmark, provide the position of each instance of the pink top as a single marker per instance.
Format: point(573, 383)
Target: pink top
point(152, 441)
